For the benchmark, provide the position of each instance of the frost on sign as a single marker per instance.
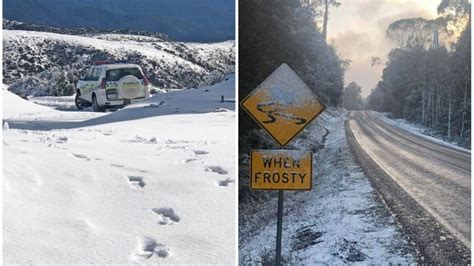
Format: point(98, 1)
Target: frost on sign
point(281, 170)
point(283, 105)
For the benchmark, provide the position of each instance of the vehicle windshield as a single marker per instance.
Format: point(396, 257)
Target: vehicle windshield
point(116, 74)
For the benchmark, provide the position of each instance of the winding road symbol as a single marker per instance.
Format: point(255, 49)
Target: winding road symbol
point(273, 113)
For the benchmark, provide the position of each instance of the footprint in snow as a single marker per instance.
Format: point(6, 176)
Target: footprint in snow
point(186, 161)
point(166, 215)
point(200, 152)
point(107, 133)
point(136, 181)
point(224, 183)
point(147, 248)
point(117, 165)
point(139, 139)
point(176, 147)
point(82, 156)
point(216, 169)
point(61, 140)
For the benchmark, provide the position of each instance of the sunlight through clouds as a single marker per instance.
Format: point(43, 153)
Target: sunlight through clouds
point(357, 29)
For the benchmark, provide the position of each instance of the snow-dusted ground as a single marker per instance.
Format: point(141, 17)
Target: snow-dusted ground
point(151, 183)
point(420, 130)
point(340, 221)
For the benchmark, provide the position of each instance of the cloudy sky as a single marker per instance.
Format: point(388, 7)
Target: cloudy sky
point(357, 28)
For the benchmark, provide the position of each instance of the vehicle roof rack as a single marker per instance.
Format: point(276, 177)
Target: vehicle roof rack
point(103, 62)
point(97, 63)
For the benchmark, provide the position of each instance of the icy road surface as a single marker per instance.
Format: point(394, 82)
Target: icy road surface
point(152, 183)
point(436, 176)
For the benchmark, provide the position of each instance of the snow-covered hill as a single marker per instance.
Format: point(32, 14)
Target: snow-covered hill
point(152, 183)
point(33, 61)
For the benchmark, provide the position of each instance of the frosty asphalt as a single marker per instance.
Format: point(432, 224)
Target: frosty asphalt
point(425, 184)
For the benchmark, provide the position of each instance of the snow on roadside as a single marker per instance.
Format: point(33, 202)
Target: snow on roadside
point(340, 221)
point(148, 185)
point(419, 130)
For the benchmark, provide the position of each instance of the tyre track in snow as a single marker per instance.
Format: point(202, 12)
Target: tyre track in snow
point(425, 185)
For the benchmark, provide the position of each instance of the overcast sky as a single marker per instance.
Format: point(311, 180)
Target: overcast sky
point(357, 28)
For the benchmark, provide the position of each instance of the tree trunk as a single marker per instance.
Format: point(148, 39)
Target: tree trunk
point(423, 96)
point(438, 105)
point(326, 15)
point(432, 107)
point(464, 107)
point(449, 114)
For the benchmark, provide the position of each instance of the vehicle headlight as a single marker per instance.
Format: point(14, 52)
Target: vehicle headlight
point(112, 94)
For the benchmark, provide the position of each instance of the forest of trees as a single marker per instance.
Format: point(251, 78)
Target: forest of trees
point(285, 31)
point(427, 78)
point(351, 98)
point(276, 32)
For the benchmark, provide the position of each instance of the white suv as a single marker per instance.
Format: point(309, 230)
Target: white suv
point(108, 85)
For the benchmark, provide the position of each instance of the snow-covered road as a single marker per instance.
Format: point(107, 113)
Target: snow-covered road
point(152, 183)
point(436, 178)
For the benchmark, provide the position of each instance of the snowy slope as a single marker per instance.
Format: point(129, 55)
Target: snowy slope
point(143, 184)
point(15, 106)
point(32, 57)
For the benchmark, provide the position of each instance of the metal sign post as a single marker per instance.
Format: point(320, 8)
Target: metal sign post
point(279, 228)
point(283, 106)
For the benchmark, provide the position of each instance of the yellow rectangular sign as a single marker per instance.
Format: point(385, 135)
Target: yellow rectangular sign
point(281, 170)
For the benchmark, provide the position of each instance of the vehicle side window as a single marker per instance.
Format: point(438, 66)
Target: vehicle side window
point(88, 75)
point(96, 74)
point(113, 75)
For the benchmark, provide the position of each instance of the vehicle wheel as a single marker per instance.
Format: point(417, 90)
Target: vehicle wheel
point(95, 105)
point(78, 101)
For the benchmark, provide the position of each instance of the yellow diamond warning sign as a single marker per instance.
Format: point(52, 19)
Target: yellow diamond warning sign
point(283, 105)
point(281, 170)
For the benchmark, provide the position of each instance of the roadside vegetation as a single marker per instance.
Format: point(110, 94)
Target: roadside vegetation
point(427, 78)
point(276, 32)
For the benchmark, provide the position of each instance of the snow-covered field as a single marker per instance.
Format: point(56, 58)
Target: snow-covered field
point(420, 130)
point(151, 183)
point(340, 221)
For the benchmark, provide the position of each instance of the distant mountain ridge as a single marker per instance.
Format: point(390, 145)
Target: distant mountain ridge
point(82, 31)
point(183, 20)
